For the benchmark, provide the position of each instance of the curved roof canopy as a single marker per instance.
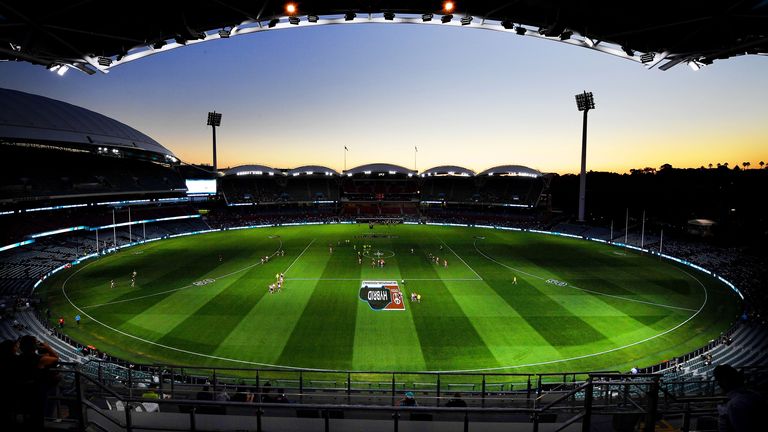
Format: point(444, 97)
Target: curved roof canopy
point(379, 168)
point(89, 36)
point(312, 170)
point(511, 170)
point(448, 170)
point(31, 118)
point(253, 170)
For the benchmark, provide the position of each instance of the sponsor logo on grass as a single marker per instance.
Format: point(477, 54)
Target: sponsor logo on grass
point(382, 295)
point(557, 282)
point(203, 282)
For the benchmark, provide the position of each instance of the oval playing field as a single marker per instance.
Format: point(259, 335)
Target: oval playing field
point(494, 301)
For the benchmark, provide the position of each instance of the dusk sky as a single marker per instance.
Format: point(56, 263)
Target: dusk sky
point(464, 97)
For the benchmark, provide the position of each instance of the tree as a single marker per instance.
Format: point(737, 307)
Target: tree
point(725, 164)
point(710, 166)
point(746, 165)
point(762, 164)
point(666, 166)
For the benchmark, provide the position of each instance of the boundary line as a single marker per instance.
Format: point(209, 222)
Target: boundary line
point(584, 289)
point(706, 297)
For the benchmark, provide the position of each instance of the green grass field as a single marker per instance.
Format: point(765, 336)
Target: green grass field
point(618, 308)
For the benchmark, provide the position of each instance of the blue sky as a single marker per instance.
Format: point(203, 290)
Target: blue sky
point(463, 96)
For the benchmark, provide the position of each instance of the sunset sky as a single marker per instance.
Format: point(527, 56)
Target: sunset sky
point(464, 97)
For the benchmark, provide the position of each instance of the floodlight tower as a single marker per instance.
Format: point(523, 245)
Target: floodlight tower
point(214, 121)
point(584, 102)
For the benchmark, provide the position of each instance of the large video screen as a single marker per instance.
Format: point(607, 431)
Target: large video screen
point(201, 187)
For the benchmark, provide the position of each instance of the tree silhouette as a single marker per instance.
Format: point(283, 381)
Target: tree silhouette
point(746, 165)
point(762, 164)
point(710, 166)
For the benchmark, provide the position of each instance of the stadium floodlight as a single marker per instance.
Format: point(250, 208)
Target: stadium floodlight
point(521, 30)
point(273, 22)
point(508, 25)
point(312, 18)
point(427, 17)
point(224, 33)
point(389, 16)
point(180, 40)
point(584, 102)
point(294, 20)
point(467, 20)
point(446, 18)
point(628, 51)
point(104, 61)
point(349, 16)
point(159, 44)
point(566, 35)
point(214, 121)
point(290, 8)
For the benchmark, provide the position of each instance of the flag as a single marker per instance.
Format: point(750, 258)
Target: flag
point(416, 149)
point(345, 148)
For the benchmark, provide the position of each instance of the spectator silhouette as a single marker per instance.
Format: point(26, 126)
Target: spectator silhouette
point(457, 401)
point(37, 380)
point(408, 400)
point(8, 376)
point(742, 412)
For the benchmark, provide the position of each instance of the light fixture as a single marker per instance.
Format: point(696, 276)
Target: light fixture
point(448, 6)
point(312, 18)
point(566, 35)
point(628, 50)
point(693, 64)
point(466, 20)
point(180, 40)
point(446, 18)
point(590, 42)
point(509, 25)
point(290, 8)
point(62, 70)
point(349, 16)
point(520, 30)
point(104, 61)
point(159, 44)
point(389, 16)
point(224, 33)
point(273, 22)
point(294, 20)
point(647, 57)
point(427, 17)
point(585, 101)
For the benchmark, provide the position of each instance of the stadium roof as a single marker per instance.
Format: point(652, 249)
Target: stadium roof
point(252, 170)
point(91, 37)
point(379, 168)
point(451, 170)
point(511, 170)
point(26, 117)
point(312, 170)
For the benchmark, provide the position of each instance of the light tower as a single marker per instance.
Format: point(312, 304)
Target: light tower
point(584, 102)
point(214, 121)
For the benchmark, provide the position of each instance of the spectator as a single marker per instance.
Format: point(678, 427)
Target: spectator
point(457, 401)
point(38, 381)
point(408, 400)
point(744, 408)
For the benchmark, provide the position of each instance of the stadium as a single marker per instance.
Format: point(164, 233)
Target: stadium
point(181, 296)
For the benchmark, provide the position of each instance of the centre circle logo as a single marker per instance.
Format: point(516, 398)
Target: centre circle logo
point(379, 254)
